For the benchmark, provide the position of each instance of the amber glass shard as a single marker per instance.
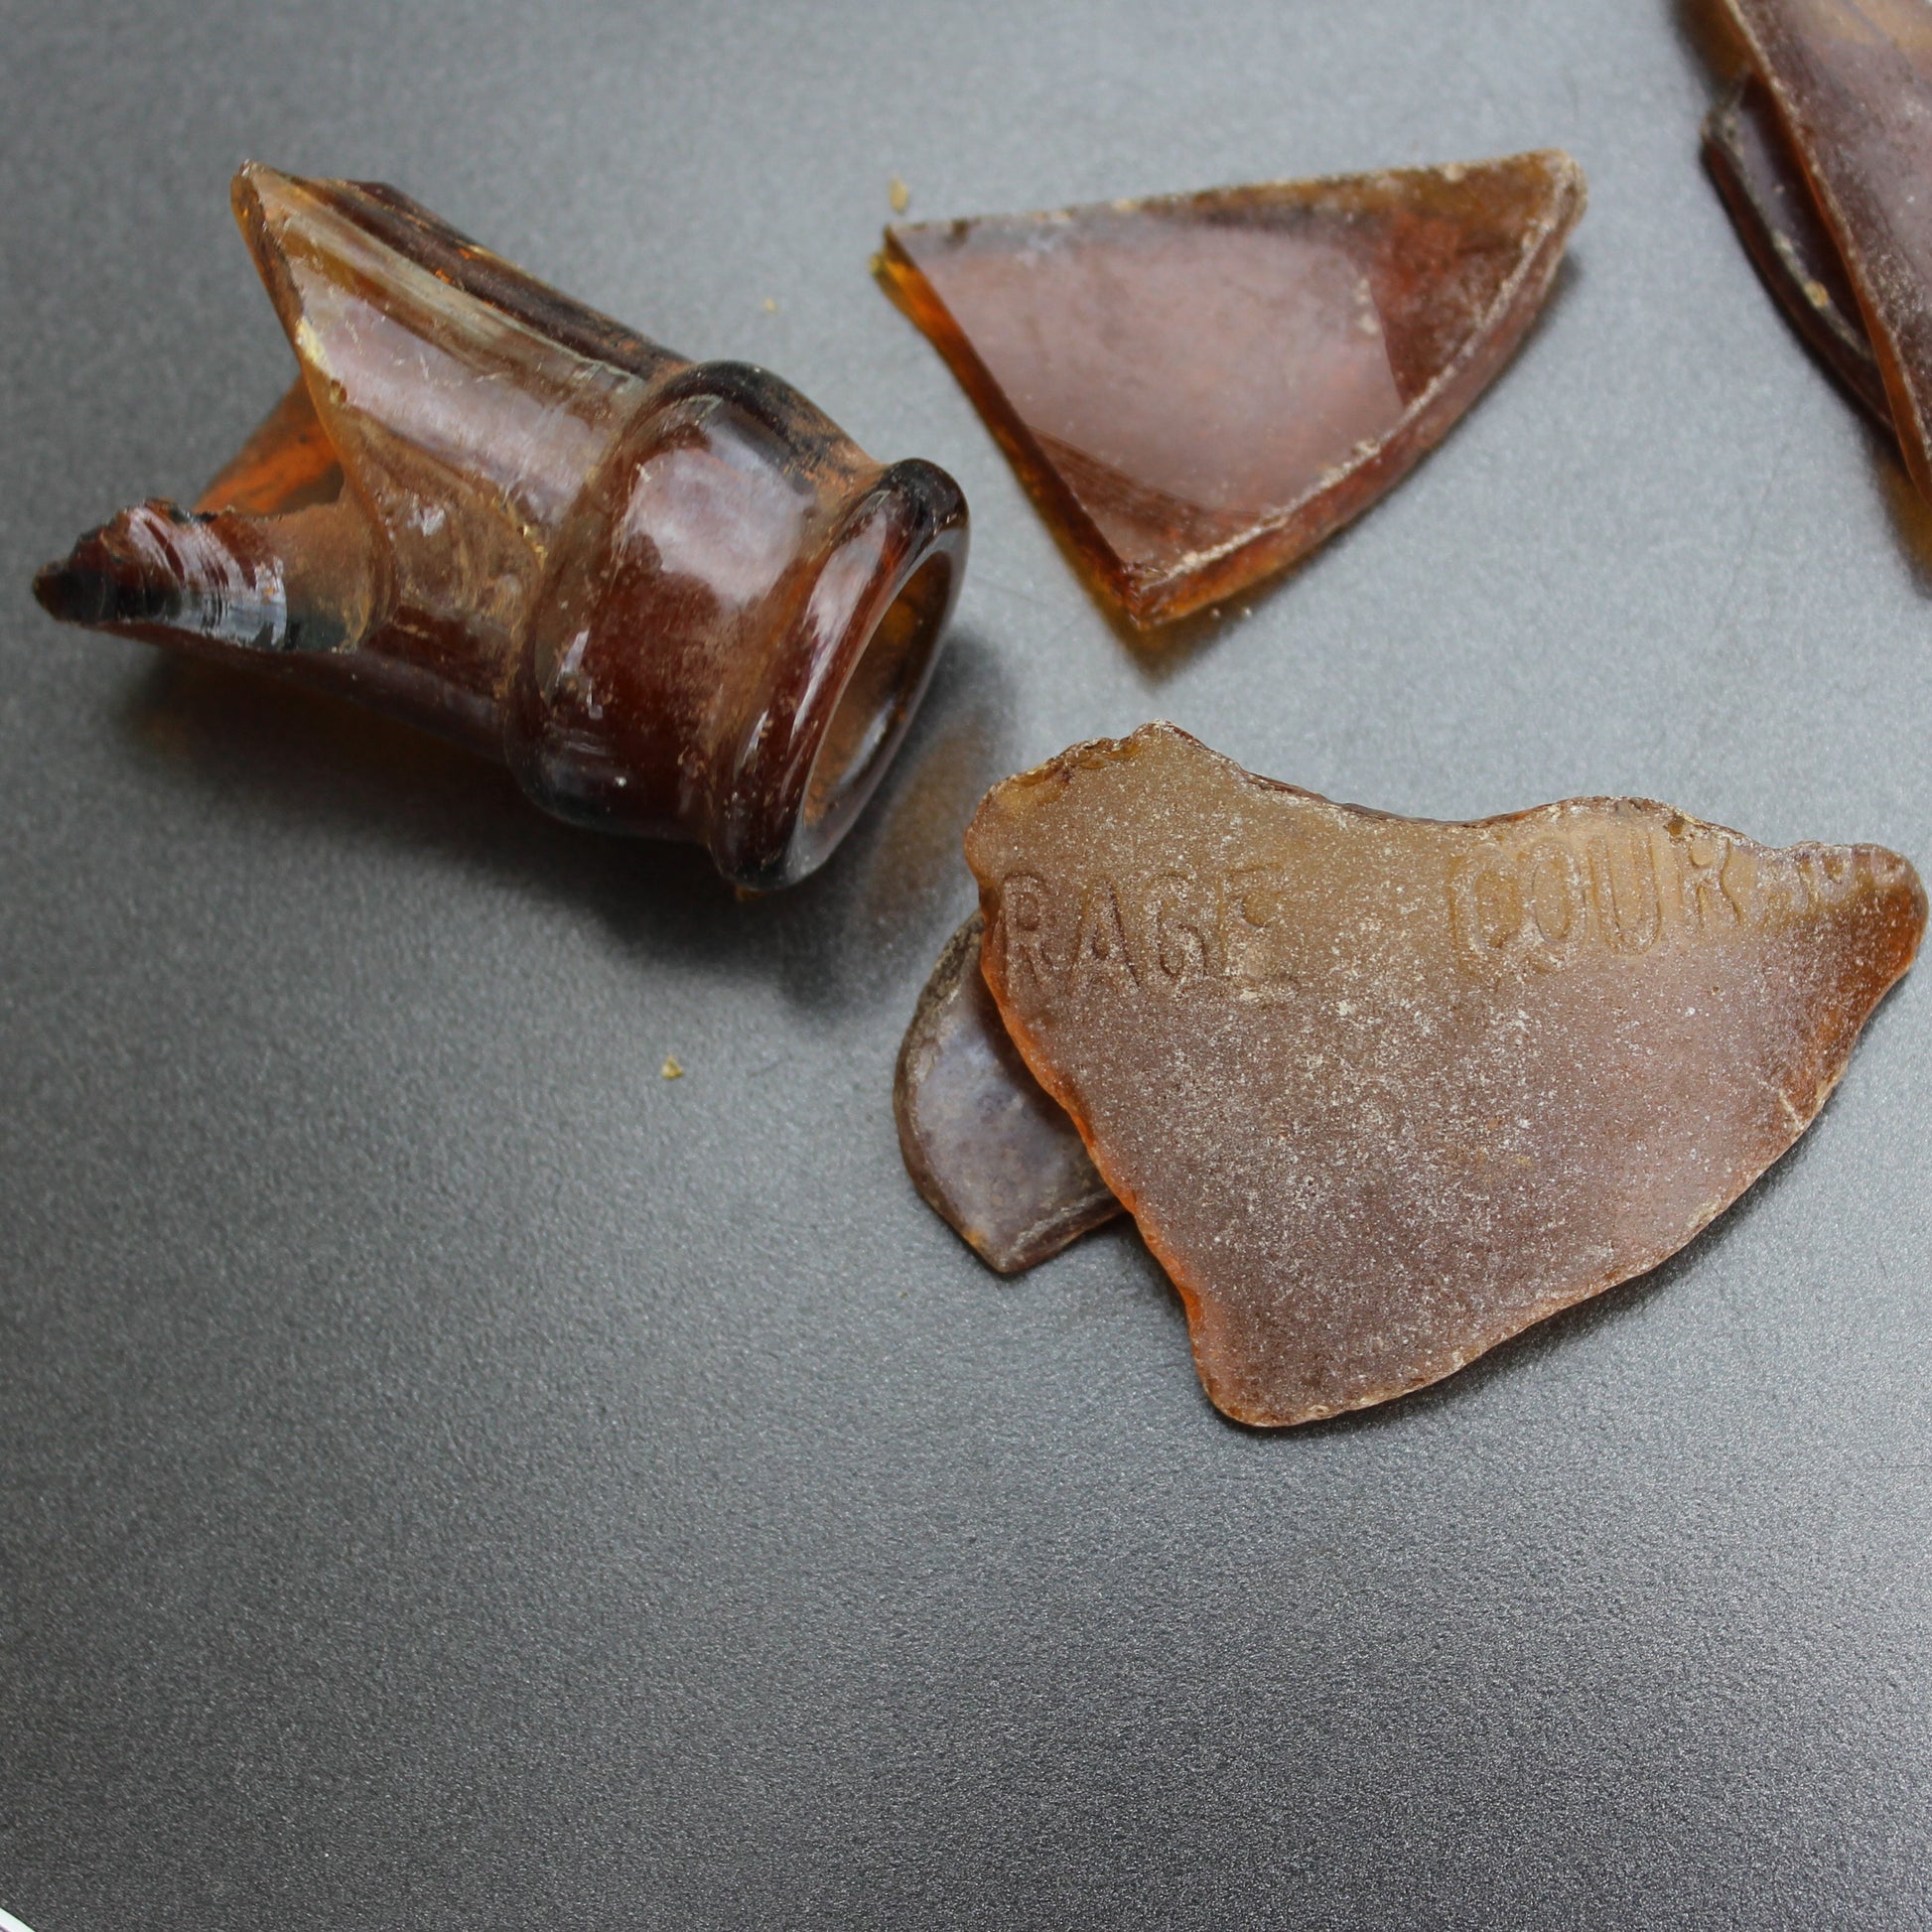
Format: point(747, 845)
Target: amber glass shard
point(1770, 203)
point(287, 464)
point(1763, 185)
point(1850, 82)
point(997, 1160)
point(674, 597)
point(1198, 389)
point(1382, 1091)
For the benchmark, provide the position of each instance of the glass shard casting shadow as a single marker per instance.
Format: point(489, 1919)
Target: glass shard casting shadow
point(675, 598)
point(1763, 186)
point(1380, 1091)
point(1198, 389)
point(998, 1160)
point(1844, 134)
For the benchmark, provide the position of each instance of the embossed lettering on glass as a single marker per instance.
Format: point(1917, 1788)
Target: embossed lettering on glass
point(1379, 1091)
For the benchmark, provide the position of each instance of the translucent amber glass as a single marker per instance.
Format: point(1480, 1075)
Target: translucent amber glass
point(1382, 1091)
point(1198, 389)
point(674, 597)
point(1850, 84)
point(1763, 184)
point(984, 1144)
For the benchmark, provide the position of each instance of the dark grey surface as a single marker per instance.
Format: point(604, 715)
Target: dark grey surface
point(450, 1476)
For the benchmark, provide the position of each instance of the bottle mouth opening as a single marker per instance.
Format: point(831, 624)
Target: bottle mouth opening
point(870, 637)
point(882, 691)
point(865, 645)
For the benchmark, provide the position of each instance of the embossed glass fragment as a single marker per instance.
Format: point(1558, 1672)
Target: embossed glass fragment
point(1198, 389)
point(675, 598)
point(1834, 160)
point(1381, 1092)
point(999, 1161)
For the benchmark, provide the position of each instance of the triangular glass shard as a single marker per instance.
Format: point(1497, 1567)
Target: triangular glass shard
point(1199, 388)
point(1849, 84)
point(997, 1160)
point(1381, 1091)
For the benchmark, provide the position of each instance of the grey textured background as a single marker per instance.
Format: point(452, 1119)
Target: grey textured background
point(450, 1476)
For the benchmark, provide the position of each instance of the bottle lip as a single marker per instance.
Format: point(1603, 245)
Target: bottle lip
point(848, 681)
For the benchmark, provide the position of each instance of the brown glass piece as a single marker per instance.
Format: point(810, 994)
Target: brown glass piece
point(1849, 86)
point(1763, 186)
point(1198, 389)
point(999, 1161)
point(677, 599)
point(1383, 1091)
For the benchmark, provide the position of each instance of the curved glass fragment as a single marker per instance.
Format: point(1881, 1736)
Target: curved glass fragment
point(997, 1158)
point(1380, 1091)
point(674, 597)
point(1847, 114)
point(1763, 185)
